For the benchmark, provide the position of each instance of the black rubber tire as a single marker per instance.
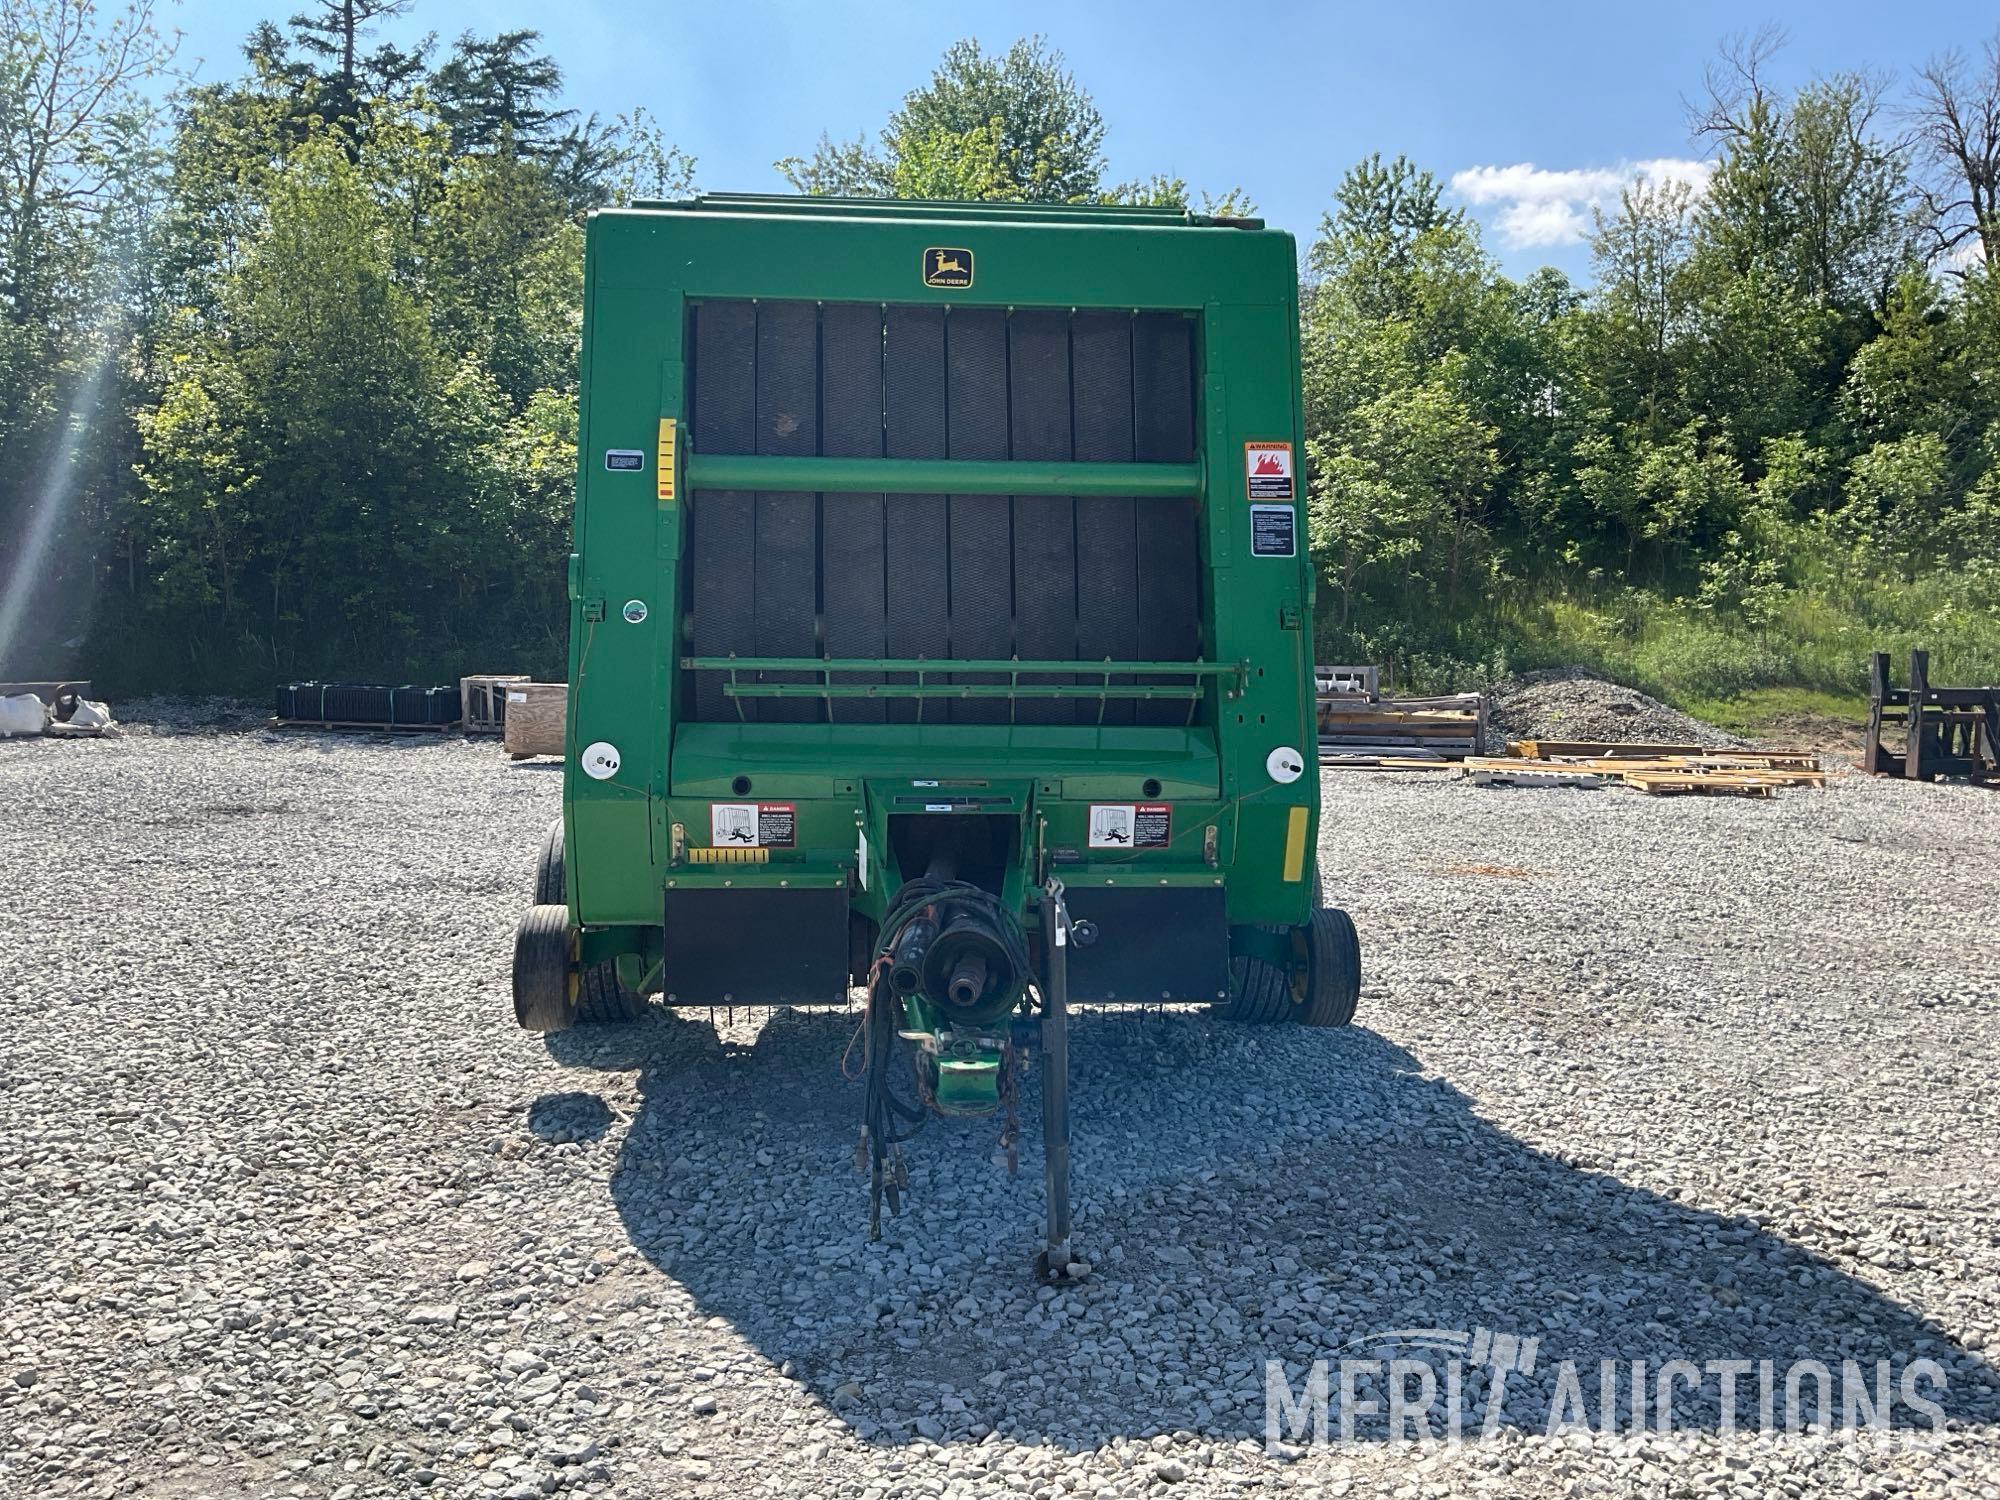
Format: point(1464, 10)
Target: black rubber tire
point(551, 879)
point(546, 984)
point(1333, 969)
point(603, 1001)
point(1259, 993)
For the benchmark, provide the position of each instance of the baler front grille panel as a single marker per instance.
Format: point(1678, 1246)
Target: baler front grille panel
point(963, 577)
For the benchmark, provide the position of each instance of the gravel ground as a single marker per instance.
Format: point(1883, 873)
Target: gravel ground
point(292, 1209)
point(1563, 704)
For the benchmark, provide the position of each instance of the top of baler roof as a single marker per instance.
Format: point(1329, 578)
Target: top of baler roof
point(942, 209)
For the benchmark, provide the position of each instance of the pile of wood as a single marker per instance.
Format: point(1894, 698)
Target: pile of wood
point(1359, 727)
point(537, 716)
point(1659, 770)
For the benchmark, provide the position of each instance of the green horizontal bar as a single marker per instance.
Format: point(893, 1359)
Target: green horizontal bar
point(923, 666)
point(940, 476)
point(947, 690)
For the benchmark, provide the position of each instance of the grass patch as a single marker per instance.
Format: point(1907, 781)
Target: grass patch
point(1764, 712)
point(1809, 661)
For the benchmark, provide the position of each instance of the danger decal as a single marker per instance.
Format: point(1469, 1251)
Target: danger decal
point(752, 825)
point(1129, 825)
point(1267, 470)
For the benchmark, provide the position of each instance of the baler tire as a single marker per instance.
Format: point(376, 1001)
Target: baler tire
point(545, 977)
point(1259, 993)
point(1333, 969)
point(603, 1001)
point(551, 877)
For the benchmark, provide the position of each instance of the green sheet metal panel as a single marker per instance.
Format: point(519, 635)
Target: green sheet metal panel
point(646, 267)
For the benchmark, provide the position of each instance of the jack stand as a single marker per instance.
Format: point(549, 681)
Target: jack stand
point(1052, 1264)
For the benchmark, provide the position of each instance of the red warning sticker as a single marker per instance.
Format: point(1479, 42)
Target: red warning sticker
point(1267, 470)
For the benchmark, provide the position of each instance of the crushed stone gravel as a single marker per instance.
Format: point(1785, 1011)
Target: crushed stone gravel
point(291, 1207)
point(1566, 704)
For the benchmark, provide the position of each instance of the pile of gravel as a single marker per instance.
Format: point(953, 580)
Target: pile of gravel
point(1567, 704)
point(292, 1209)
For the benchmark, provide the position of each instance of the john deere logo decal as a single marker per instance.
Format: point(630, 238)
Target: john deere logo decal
point(945, 267)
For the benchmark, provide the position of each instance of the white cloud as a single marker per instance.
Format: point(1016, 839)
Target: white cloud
point(1534, 206)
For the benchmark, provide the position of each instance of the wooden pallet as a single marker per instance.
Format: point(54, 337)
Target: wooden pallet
point(1593, 749)
point(1704, 784)
point(1347, 761)
point(1524, 775)
point(347, 726)
point(1717, 773)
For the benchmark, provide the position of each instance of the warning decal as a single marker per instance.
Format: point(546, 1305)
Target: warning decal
point(1267, 470)
point(752, 825)
point(1126, 825)
point(1273, 531)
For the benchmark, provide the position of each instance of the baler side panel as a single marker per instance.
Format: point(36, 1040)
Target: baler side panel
point(619, 671)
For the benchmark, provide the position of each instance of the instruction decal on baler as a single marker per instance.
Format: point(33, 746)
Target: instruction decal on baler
point(1274, 531)
point(1267, 470)
point(1127, 825)
point(752, 825)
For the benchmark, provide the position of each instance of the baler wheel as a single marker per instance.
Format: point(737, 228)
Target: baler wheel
point(1259, 993)
point(546, 983)
point(1327, 986)
point(603, 1001)
point(551, 880)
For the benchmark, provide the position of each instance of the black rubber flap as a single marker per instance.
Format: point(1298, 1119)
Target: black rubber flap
point(1166, 943)
point(756, 947)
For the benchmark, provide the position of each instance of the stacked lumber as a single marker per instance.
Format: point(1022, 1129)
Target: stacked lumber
point(1653, 769)
point(1355, 730)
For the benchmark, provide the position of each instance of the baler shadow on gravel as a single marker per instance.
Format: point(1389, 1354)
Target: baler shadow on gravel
point(940, 625)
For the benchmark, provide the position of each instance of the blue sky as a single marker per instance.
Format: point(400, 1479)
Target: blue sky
point(1533, 110)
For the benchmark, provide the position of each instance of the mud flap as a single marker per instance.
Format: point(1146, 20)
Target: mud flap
point(756, 947)
point(1150, 945)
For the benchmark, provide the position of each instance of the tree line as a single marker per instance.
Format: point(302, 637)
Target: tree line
point(288, 363)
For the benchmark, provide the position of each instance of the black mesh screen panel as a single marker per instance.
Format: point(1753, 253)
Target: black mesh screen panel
point(1107, 562)
point(722, 523)
point(1168, 550)
point(981, 587)
point(853, 618)
point(787, 545)
point(942, 577)
point(915, 534)
point(1045, 581)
